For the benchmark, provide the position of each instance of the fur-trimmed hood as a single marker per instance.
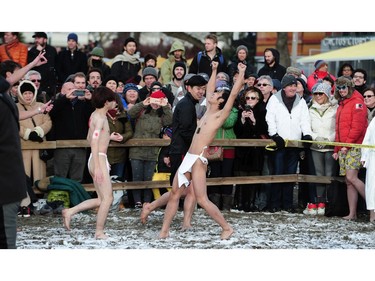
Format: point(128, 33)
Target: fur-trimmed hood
point(26, 85)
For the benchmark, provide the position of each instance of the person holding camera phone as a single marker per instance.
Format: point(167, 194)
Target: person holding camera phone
point(70, 116)
point(249, 160)
point(151, 115)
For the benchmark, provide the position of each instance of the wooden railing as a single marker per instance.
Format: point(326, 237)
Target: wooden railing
point(297, 178)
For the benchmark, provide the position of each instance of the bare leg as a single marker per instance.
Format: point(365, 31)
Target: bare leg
point(200, 189)
point(171, 208)
point(105, 195)
point(189, 206)
point(354, 186)
point(83, 206)
point(149, 207)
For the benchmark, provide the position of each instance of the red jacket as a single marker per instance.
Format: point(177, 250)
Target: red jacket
point(16, 50)
point(351, 120)
point(315, 76)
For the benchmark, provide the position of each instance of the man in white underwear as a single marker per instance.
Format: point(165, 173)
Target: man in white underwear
point(194, 166)
point(99, 136)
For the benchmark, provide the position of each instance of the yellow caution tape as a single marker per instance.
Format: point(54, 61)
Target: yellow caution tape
point(271, 147)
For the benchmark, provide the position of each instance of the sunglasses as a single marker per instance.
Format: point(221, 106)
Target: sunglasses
point(155, 89)
point(264, 85)
point(250, 98)
point(368, 96)
point(341, 87)
point(35, 80)
point(319, 94)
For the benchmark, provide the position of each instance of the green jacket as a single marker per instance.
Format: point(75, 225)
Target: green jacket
point(122, 126)
point(166, 68)
point(147, 126)
point(228, 127)
point(77, 193)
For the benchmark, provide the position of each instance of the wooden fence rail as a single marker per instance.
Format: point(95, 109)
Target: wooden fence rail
point(210, 181)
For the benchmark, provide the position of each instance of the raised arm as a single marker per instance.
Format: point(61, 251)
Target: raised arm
point(236, 88)
point(211, 85)
point(20, 73)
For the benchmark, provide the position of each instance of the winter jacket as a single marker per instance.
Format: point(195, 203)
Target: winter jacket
point(323, 122)
point(12, 172)
point(70, 118)
point(48, 70)
point(77, 193)
point(15, 51)
point(251, 158)
point(122, 126)
point(317, 76)
point(43, 123)
point(69, 63)
point(166, 69)
point(277, 71)
point(184, 125)
point(351, 120)
point(205, 63)
point(289, 126)
point(148, 125)
point(125, 70)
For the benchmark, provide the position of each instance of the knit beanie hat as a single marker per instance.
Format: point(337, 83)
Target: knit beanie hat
point(323, 88)
point(158, 95)
point(73, 36)
point(149, 71)
point(294, 71)
point(27, 86)
point(288, 80)
point(179, 64)
point(318, 64)
point(109, 78)
point(97, 51)
point(276, 84)
point(242, 47)
point(130, 86)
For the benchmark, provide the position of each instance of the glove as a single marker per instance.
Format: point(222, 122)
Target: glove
point(280, 143)
point(34, 137)
point(318, 145)
point(308, 138)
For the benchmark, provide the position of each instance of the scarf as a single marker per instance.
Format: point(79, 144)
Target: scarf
point(133, 59)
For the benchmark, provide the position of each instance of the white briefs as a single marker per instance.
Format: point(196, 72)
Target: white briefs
point(186, 166)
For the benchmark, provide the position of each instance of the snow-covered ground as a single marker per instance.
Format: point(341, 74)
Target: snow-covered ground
point(259, 238)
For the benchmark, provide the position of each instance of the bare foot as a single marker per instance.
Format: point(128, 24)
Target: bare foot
point(226, 233)
point(145, 212)
point(66, 218)
point(163, 235)
point(101, 236)
point(186, 227)
point(350, 217)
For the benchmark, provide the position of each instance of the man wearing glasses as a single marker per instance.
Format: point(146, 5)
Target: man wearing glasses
point(359, 79)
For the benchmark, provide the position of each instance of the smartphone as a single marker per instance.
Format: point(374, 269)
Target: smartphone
point(247, 107)
point(154, 100)
point(79, 93)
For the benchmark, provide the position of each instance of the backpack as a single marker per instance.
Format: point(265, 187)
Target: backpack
point(221, 58)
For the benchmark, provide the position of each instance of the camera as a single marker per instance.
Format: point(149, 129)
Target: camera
point(247, 107)
point(79, 93)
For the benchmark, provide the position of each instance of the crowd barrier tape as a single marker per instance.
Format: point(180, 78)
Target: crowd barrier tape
point(272, 146)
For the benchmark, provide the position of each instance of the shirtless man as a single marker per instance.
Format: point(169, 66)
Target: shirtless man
point(194, 165)
point(98, 135)
point(184, 125)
